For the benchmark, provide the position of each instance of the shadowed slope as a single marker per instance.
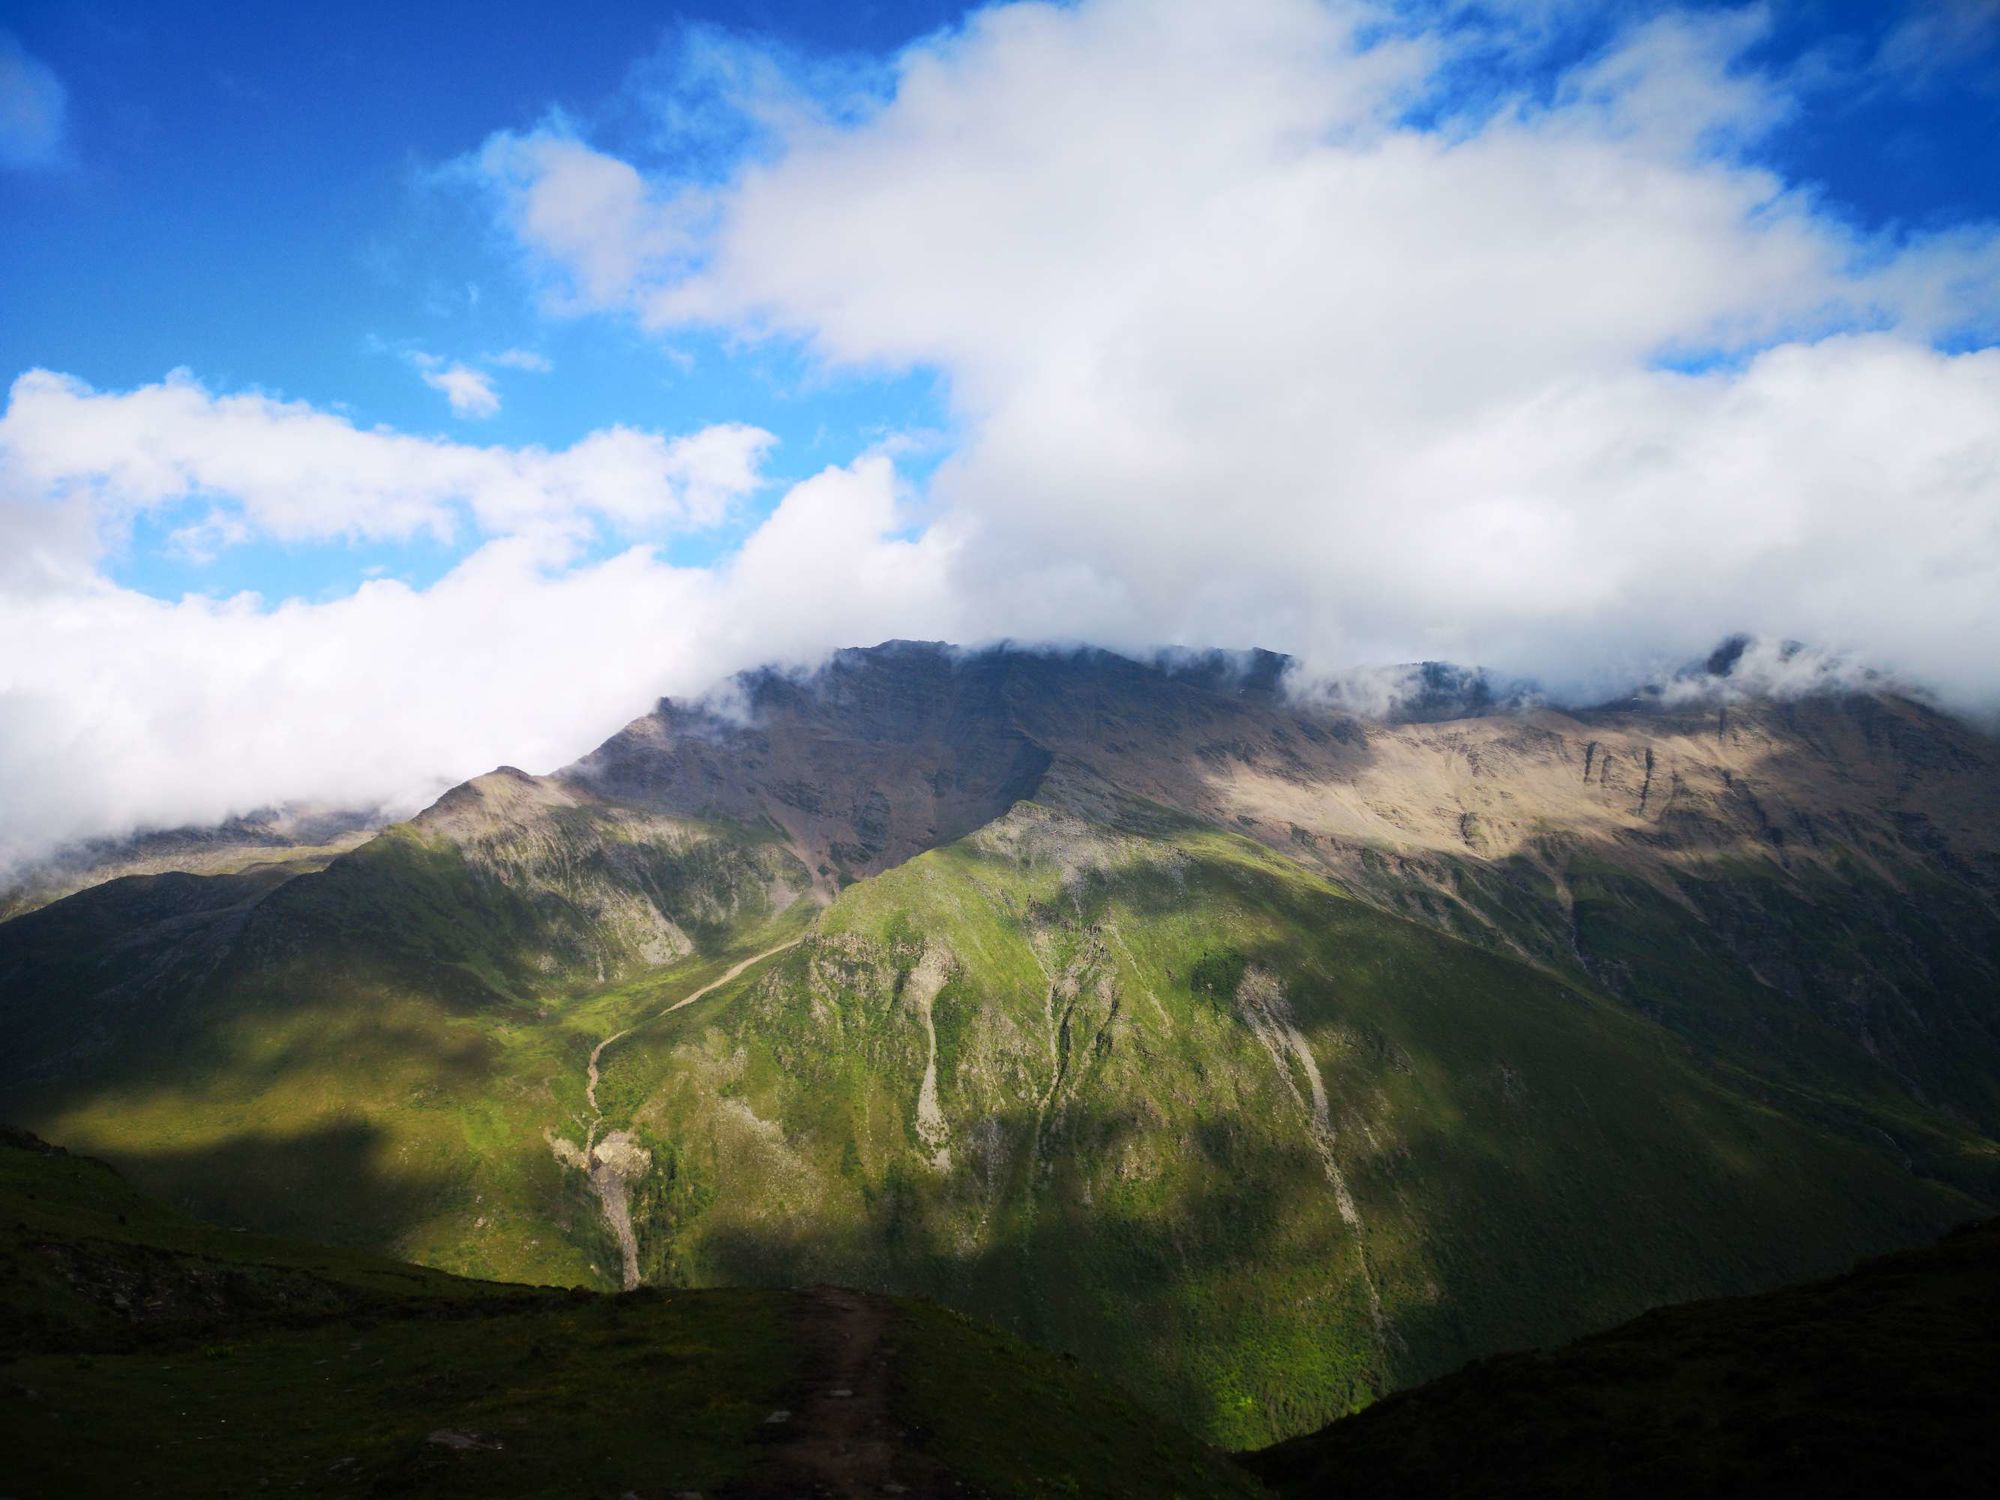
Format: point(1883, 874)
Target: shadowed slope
point(1881, 1381)
point(147, 1352)
point(296, 840)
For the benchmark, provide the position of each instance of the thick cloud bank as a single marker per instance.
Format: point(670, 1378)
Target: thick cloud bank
point(1570, 384)
point(1256, 327)
point(120, 711)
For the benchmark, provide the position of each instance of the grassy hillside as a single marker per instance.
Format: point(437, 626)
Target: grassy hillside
point(371, 1055)
point(1130, 1033)
point(1858, 992)
point(146, 1352)
point(1881, 1381)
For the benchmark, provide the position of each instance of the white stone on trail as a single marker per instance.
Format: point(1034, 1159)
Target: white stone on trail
point(460, 1442)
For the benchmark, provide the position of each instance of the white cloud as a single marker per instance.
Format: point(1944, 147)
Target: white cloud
point(1745, 668)
point(521, 359)
point(1238, 353)
point(1936, 37)
point(133, 711)
point(34, 108)
point(589, 216)
point(469, 391)
point(290, 471)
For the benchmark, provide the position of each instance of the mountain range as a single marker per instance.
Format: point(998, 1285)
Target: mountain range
point(1263, 1057)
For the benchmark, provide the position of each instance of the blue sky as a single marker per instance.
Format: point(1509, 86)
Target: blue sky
point(252, 193)
point(568, 355)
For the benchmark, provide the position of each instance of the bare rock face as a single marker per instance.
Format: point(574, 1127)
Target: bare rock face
point(889, 751)
point(878, 757)
point(549, 841)
point(886, 752)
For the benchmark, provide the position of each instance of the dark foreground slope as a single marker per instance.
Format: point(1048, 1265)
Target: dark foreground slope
point(144, 1352)
point(1884, 1381)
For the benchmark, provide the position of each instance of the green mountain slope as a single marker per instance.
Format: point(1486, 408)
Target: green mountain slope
point(371, 1055)
point(1249, 1145)
point(1264, 1058)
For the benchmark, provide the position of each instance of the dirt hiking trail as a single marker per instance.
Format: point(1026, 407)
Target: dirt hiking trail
point(842, 1438)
